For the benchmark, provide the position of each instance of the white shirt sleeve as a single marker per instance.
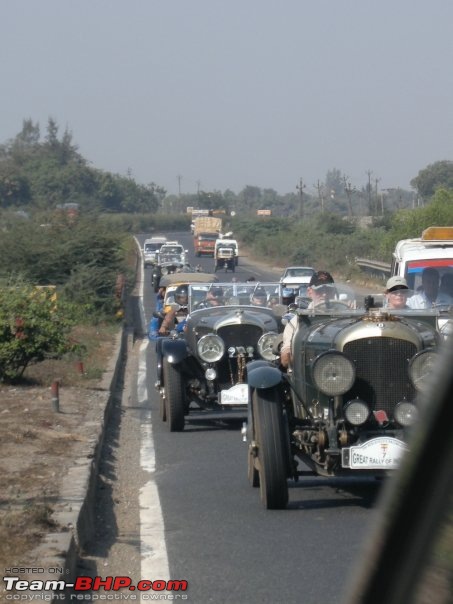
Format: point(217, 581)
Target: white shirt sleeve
point(288, 333)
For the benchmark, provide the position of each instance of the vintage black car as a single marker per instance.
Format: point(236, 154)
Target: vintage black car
point(204, 369)
point(347, 403)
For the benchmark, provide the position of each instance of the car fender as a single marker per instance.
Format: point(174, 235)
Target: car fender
point(263, 376)
point(175, 351)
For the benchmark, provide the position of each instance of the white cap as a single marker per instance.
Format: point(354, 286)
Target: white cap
point(396, 282)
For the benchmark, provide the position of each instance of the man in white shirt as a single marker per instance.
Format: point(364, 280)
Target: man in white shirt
point(429, 296)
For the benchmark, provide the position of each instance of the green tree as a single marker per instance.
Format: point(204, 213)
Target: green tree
point(433, 177)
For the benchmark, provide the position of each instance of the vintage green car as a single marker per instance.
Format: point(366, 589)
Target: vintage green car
point(348, 401)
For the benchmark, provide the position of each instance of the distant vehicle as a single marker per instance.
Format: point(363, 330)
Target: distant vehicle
point(172, 252)
point(225, 254)
point(151, 247)
point(297, 275)
point(433, 249)
point(206, 231)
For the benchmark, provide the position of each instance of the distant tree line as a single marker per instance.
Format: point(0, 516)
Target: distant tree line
point(332, 242)
point(335, 194)
point(39, 174)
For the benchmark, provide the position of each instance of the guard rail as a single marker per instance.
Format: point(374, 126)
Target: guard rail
point(374, 268)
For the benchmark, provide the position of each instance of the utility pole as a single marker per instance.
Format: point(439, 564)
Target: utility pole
point(349, 189)
point(369, 172)
point(179, 177)
point(376, 200)
point(300, 187)
point(320, 195)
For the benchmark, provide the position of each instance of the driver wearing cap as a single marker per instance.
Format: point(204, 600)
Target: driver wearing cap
point(396, 292)
point(320, 289)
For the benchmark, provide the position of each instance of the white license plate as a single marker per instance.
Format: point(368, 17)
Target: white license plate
point(236, 395)
point(379, 453)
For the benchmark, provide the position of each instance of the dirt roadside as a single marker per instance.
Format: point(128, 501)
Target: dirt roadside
point(49, 438)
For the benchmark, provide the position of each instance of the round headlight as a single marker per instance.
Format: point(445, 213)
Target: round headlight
point(421, 366)
point(356, 412)
point(333, 373)
point(210, 374)
point(210, 348)
point(405, 413)
point(266, 344)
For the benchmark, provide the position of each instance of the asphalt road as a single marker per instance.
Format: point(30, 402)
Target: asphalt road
point(179, 505)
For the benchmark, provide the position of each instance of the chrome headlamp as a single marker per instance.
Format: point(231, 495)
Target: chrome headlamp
point(356, 412)
point(333, 373)
point(210, 348)
point(421, 366)
point(405, 413)
point(266, 344)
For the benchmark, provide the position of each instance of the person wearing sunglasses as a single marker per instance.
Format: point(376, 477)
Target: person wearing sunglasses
point(396, 293)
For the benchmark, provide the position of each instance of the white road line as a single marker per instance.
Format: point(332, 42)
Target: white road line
point(154, 563)
point(154, 559)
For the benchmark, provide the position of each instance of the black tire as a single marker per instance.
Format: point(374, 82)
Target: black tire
point(174, 397)
point(272, 449)
point(252, 471)
point(162, 408)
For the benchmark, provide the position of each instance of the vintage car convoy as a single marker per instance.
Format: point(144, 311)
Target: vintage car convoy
point(348, 401)
point(204, 371)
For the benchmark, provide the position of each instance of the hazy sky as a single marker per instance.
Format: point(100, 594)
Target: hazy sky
point(229, 93)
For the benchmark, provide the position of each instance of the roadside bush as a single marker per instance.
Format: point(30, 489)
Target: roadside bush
point(82, 257)
point(34, 325)
point(147, 223)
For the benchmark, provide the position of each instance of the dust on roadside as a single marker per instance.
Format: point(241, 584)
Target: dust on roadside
point(38, 444)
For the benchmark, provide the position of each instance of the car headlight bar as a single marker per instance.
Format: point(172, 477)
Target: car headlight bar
point(405, 413)
point(356, 412)
point(266, 344)
point(333, 373)
point(421, 366)
point(210, 348)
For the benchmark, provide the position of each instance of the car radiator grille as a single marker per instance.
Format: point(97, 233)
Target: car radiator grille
point(240, 335)
point(234, 336)
point(382, 377)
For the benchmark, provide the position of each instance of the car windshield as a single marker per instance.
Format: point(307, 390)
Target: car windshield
point(441, 267)
point(152, 247)
point(265, 295)
point(168, 257)
point(174, 249)
point(299, 272)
